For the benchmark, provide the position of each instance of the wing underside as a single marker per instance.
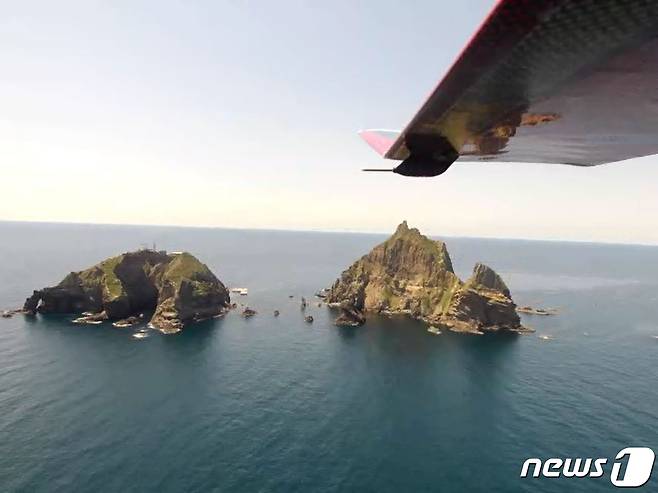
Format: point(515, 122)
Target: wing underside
point(548, 81)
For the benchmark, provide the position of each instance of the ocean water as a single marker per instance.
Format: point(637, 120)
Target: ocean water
point(275, 404)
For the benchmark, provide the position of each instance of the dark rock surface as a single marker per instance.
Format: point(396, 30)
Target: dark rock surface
point(248, 312)
point(350, 316)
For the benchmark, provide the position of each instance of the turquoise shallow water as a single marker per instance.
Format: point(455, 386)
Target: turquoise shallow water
point(275, 404)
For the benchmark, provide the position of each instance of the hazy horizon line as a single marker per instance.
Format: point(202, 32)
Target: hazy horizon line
point(329, 231)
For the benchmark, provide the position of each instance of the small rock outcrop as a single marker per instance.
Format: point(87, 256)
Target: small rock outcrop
point(350, 316)
point(127, 322)
point(11, 313)
point(322, 294)
point(178, 288)
point(248, 312)
point(412, 274)
point(528, 310)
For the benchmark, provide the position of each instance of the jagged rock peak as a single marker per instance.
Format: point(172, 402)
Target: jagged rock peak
point(412, 274)
point(402, 228)
point(411, 238)
point(485, 276)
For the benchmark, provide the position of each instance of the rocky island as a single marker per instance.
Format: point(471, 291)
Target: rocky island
point(412, 274)
point(176, 287)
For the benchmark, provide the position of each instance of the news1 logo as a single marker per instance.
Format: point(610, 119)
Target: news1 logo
point(631, 468)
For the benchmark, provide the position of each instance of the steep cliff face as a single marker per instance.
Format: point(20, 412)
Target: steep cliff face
point(189, 291)
point(410, 273)
point(178, 287)
point(482, 303)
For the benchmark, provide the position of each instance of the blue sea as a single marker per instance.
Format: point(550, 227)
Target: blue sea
point(276, 404)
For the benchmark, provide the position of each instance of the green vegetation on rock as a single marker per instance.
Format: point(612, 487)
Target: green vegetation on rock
point(410, 273)
point(112, 284)
point(185, 266)
point(177, 287)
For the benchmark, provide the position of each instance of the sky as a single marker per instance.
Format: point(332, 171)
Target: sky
point(244, 114)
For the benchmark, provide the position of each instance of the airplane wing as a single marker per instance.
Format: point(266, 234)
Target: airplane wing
point(542, 81)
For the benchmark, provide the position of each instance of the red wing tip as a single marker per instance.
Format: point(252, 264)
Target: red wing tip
point(379, 140)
